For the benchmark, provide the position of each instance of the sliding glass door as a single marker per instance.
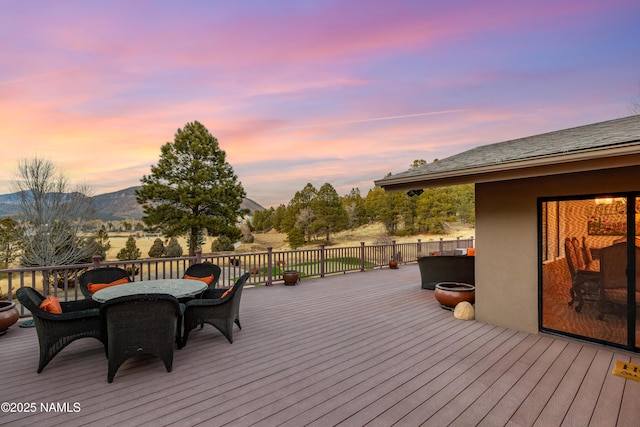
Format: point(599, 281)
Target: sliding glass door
point(589, 267)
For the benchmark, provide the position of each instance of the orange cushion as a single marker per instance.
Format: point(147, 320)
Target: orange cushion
point(95, 287)
point(227, 292)
point(471, 251)
point(51, 305)
point(205, 279)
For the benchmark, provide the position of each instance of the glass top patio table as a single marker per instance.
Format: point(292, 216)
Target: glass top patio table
point(179, 288)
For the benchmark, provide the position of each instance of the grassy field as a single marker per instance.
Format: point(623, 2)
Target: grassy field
point(370, 234)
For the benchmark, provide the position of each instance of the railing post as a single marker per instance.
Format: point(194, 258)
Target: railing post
point(198, 256)
point(419, 245)
point(393, 251)
point(458, 242)
point(322, 260)
point(441, 245)
point(362, 255)
point(96, 261)
point(269, 266)
point(472, 244)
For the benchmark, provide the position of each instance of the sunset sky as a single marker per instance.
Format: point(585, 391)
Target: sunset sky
point(303, 91)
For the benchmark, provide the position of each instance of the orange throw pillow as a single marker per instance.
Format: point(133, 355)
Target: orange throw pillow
point(227, 292)
point(471, 251)
point(51, 305)
point(95, 287)
point(206, 279)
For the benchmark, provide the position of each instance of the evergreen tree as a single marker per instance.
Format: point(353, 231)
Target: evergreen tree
point(263, 220)
point(435, 207)
point(130, 250)
point(222, 244)
point(389, 208)
point(466, 201)
point(192, 189)
point(101, 243)
point(295, 238)
point(278, 217)
point(301, 200)
point(354, 206)
point(157, 249)
point(173, 249)
point(9, 242)
point(327, 209)
point(199, 239)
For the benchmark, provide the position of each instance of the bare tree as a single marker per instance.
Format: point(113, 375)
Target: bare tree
point(52, 215)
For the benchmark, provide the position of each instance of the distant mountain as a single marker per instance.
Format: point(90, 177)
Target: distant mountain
point(118, 205)
point(115, 206)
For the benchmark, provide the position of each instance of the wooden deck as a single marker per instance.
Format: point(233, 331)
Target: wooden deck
point(359, 349)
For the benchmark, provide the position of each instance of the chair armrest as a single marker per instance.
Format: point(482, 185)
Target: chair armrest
point(204, 302)
point(79, 305)
point(213, 293)
point(588, 273)
point(72, 315)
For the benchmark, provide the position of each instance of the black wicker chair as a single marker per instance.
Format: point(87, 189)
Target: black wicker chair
point(100, 275)
point(219, 312)
point(79, 319)
point(140, 324)
point(204, 269)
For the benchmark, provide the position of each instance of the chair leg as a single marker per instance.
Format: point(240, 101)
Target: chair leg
point(168, 361)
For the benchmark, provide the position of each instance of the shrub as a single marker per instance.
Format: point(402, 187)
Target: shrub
point(157, 249)
point(173, 249)
point(222, 243)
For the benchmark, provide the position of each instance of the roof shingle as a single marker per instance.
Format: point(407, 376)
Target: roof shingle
point(583, 138)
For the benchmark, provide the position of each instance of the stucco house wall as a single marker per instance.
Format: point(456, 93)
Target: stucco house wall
point(507, 239)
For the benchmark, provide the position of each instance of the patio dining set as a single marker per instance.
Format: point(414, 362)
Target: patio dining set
point(131, 318)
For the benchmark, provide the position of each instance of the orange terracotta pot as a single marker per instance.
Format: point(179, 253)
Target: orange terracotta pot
point(8, 315)
point(449, 294)
point(291, 277)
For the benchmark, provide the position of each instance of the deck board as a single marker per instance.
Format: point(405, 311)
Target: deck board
point(368, 348)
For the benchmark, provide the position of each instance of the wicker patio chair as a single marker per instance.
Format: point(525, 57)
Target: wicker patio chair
point(140, 324)
point(613, 283)
point(204, 269)
point(585, 277)
point(79, 319)
point(100, 275)
point(220, 312)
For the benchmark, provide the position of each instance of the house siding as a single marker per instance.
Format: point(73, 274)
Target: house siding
point(507, 239)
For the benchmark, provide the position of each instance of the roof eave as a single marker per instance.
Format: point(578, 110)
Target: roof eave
point(585, 160)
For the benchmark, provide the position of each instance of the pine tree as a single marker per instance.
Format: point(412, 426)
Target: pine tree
point(328, 211)
point(130, 250)
point(192, 189)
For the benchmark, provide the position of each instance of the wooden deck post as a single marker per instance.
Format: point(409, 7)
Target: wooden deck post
point(269, 266)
